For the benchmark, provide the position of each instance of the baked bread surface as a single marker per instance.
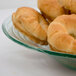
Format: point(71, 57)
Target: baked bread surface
point(62, 34)
point(68, 5)
point(31, 23)
point(50, 9)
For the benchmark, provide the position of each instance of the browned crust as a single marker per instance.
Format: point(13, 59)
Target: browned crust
point(26, 20)
point(59, 34)
point(54, 49)
point(68, 5)
point(50, 8)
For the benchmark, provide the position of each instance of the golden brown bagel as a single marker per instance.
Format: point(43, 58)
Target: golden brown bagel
point(69, 5)
point(62, 34)
point(50, 9)
point(31, 23)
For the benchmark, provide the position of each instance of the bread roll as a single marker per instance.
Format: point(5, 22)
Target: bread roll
point(31, 24)
point(62, 34)
point(50, 9)
point(69, 5)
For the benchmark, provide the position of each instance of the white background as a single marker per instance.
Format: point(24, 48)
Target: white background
point(17, 3)
point(16, 60)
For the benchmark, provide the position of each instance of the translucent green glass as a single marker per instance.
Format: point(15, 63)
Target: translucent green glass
point(68, 60)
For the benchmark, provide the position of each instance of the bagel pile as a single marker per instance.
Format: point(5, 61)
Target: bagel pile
point(54, 25)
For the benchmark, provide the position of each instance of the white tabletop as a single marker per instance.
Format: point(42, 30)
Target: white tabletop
point(16, 60)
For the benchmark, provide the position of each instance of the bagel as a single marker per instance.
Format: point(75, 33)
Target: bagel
point(31, 24)
point(62, 34)
point(50, 9)
point(68, 5)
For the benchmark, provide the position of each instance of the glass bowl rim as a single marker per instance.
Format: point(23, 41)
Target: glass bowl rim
point(31, 47)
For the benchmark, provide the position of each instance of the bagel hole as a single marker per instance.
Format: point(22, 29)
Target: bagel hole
point(74, 36)
point(67, 11)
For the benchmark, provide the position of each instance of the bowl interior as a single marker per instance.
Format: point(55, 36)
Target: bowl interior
point(17, 37)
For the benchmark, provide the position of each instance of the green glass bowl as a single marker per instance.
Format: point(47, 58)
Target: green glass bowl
point(68, 60)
